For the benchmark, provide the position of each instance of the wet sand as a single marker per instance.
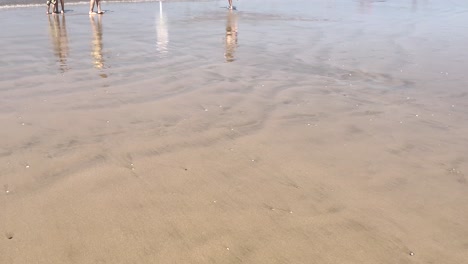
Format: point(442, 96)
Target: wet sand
point(313, 132)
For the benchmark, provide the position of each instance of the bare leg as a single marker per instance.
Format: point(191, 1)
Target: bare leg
point(91, 6)
point(62, 4)
point(98, 4)
point(230, 4)
point(48, 9)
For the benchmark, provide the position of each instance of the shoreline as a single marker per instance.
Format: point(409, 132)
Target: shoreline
point(15, 6)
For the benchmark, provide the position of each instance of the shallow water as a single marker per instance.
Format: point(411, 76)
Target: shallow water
point(283, 132)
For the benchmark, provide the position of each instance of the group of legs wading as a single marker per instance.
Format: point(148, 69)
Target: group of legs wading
point(55, 7)
point(92, 3)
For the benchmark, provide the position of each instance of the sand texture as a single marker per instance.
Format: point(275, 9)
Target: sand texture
point(288, 132)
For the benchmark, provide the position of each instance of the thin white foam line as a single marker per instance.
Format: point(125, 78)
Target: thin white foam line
point(77, 3)
point(36, 5)
point(19, 6)
point(87, 2)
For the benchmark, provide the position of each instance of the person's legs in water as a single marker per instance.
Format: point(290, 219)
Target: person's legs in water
point(230, 4)
point(63, 8)
point(48, 3)
point(91, 7)
point(98, 4)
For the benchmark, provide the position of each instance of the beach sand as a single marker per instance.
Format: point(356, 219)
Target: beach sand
point(287, 132)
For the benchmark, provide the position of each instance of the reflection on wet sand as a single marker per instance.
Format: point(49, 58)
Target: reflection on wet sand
point(334, 136)
point(231, 36)
point(162, 35)
point(58, 34)
point(98, 59)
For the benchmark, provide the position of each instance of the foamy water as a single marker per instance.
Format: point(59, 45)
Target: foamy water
point(284, 132)
point(9, 4)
